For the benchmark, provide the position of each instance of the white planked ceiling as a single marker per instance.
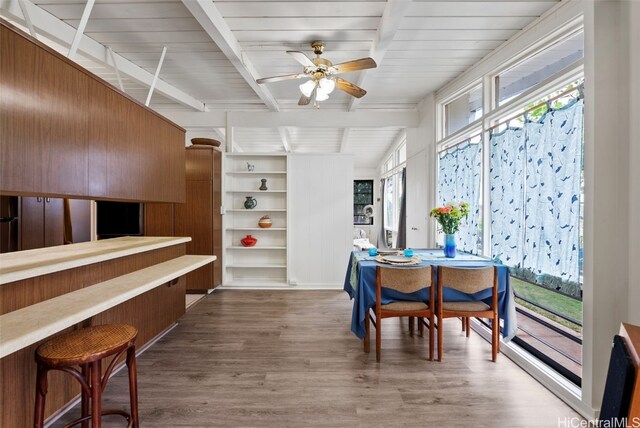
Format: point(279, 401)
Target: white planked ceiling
point(419, 46)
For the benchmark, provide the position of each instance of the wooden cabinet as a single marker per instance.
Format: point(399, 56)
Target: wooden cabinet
point(199, 217)
point(41, 221)
point(66, 132)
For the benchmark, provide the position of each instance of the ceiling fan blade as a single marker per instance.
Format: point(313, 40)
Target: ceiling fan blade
point(350, 88)
point(304, 100)
point(301, 58)
point(279, 78)
point(355, 65)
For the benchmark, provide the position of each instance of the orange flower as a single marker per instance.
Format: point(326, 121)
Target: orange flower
point(444, 210)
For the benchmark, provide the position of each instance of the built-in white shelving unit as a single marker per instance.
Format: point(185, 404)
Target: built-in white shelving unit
point(265, 264)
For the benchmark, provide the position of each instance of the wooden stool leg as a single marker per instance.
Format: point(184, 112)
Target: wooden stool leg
point(440, 337)
point(420, 327)
point(84, 406)
point(41, 392)
point(464, 324)
point(431, 328)
point(96, 393)
point(133, 385)
point(468, 324)
point(411, 327)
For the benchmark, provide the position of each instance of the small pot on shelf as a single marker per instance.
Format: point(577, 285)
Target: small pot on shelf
point(248, 241)
point(265, 222)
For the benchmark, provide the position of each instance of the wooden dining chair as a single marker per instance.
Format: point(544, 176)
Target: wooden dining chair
point(469, 281)
point(404, 280)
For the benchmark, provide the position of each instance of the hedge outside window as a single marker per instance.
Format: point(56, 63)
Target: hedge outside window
point(362, 196)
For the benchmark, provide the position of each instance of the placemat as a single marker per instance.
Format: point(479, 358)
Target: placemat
point(414, 261)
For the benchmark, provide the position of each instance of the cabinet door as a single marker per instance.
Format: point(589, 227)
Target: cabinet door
point(158, 219)
point(53, 222)
point(31, 223)
point(193, 219)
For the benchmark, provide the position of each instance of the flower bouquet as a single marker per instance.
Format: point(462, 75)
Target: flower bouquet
point(449, 217)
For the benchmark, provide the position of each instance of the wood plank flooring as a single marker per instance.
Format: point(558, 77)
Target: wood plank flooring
point(288, 359)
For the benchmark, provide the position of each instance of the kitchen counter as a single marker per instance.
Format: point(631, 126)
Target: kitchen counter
point(42, 261)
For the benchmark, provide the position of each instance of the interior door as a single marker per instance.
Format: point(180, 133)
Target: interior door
point(417, 209)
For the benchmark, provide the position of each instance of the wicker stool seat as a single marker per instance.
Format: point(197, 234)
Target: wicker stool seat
point(87, 348)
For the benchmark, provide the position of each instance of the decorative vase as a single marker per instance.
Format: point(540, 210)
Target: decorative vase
point(450, 245)
point(248, 241)
point(250, 203)
point(265, 222)
point(264, 184)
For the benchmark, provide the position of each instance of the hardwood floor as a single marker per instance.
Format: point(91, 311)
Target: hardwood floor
point(289, 359)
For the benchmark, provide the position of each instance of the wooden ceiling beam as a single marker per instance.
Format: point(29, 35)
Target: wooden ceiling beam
point(392, 16)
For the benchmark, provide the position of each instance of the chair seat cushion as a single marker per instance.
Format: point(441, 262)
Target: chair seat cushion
point(475, 306)
point(405, 306)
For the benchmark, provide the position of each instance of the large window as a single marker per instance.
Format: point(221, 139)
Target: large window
point(393, 191)
point(523, 164)
point(362, 198)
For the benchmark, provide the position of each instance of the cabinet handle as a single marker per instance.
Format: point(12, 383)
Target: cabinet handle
point(38, 199)
point(48, 200)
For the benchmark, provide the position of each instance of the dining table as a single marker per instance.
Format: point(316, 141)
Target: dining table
point(360, 284)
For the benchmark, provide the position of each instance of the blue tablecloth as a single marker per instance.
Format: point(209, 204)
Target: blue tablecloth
point(360, 283)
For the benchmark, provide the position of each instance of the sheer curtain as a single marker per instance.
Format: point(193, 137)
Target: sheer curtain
point(459, 179)
point(535, 180)
point(506, 172)
point(553, 176)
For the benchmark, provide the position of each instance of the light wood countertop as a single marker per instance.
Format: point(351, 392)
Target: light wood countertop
point(21, 328)
point(21, 265)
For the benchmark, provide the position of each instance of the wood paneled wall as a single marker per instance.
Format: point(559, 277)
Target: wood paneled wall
point(150, 313)
point(66, 132)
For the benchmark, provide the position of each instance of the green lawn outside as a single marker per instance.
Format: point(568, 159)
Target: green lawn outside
point(567, 306)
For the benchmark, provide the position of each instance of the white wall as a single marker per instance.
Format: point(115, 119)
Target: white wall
point(320, 219)
point(633, 17)
point(420, 177)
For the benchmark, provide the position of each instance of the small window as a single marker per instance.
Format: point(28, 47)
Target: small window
point(362, 196)
point(464, 110)
point(388, 165)
point(534, 70)
point(402, 154)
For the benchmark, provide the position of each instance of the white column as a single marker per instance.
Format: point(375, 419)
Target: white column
point(607, 188)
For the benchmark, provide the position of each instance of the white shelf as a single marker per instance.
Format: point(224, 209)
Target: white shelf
point(277, 229)
point(263, 265)
point(259, 210)
point(256, 283)
point(258, 266)
point(257, 192)
point(256, 248)
point(257, 172)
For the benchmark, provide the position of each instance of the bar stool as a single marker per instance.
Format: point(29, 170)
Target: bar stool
point(87, 348)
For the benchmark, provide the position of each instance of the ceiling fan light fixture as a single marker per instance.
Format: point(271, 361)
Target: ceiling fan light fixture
point(321, 95)
point(326, 85)
point(307, 87)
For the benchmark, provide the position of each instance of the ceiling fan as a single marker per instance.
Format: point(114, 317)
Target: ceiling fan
point(322, 75)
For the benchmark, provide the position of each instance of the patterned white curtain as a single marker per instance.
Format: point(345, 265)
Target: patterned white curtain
point(459, 179)
point(506, 173)
point(538, 170)
point(553, 175)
